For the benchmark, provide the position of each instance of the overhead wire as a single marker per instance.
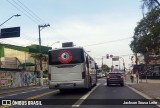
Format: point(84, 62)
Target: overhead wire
point(34, 15)
point(23, 13)
point(107, 42)
point(26, 13)
point(31, 15)
point(111, 50)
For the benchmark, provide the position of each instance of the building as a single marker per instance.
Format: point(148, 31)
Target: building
point(18, 57)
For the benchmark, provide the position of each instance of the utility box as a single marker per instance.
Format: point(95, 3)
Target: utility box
point(67, 44)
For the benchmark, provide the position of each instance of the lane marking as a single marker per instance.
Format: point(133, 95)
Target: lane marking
point(21, 92)
point(40, 95)
point(34, 97)
point(12, 95)
point(79, 102)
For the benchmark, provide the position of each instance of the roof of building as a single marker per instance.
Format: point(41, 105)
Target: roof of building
point(31, 48)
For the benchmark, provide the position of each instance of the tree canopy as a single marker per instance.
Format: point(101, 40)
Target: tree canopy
point(147, 33)
point(105, 68)
point(150, 4)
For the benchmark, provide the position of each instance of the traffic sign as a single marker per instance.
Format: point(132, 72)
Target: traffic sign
point(10, 32)
point(115, 58)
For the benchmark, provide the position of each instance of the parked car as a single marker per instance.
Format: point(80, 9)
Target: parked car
point(115, 78)
point(99, 75)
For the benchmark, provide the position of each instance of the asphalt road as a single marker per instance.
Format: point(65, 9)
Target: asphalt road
point(101, 96)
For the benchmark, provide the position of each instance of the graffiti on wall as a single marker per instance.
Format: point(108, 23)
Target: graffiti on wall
point(28, 78)
point(2, 79)
point(16, 79)
point(6, 79)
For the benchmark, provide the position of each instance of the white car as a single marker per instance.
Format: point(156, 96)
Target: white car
point(99, 75)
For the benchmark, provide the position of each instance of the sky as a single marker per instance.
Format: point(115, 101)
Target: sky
point(100, 26)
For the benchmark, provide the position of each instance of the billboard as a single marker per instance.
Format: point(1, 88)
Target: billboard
point(10, 32)
point(115, 58)
point(152, 59)
point(67, 44)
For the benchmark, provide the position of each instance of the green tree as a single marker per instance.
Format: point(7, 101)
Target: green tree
point(150, 4)
point(37, 60)
point(147, 33)
point(105, 68)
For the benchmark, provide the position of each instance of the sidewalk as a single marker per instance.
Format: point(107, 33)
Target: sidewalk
point(150, 87)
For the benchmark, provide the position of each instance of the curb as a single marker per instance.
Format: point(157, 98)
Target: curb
point(143, 94)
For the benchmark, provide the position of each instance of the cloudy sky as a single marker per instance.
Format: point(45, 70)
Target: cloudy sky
point(100, 26)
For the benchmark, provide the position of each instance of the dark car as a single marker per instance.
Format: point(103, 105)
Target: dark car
point(115, 78)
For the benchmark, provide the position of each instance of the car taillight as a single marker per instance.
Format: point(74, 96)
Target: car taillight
point(83, 75)
point(108, 76)
point(122, 77)
point(49, 76)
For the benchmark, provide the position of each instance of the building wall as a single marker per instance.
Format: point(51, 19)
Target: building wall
point(23, 57)
point(11, 79)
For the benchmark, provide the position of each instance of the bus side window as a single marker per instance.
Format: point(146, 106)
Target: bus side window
point(87, 62)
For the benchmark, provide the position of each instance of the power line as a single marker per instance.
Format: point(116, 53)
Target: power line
point(25, 12)
point(35, 16)
point(108, 42)
point(21, 11)
point(28, 12)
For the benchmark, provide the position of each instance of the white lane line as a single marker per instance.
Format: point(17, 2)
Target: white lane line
point(105, 84)
point(24, 92)
point(79, 102)
point(12, 95)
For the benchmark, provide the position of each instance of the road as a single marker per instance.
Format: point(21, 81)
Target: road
point(101, 96)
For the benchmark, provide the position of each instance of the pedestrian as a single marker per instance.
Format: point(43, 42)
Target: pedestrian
point(132, 78)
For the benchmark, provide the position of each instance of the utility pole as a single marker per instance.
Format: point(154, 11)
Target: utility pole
point(40, 27)
point(102, 61)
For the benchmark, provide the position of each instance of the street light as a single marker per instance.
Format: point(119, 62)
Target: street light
point(10, 18)
point(55, 43)
point(102, 60)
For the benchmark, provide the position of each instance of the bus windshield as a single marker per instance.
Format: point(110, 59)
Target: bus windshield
point(66, 56)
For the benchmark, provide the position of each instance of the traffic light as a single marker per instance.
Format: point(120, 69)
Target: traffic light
point(107, 56)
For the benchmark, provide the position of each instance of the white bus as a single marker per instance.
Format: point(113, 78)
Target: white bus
point(71, 68)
